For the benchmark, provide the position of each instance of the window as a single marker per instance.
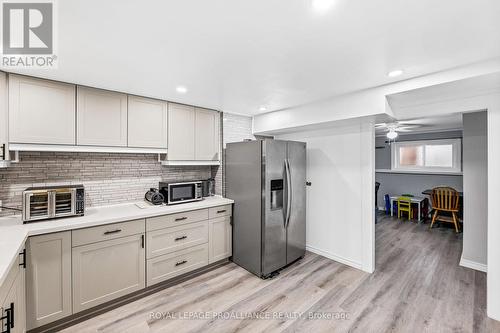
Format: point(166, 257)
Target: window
point(427, 156)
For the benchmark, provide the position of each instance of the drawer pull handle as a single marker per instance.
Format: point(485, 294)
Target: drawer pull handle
point(181, 263)
point(221, 211)
point(112, 232)
point(181, 238)
point(181, 218)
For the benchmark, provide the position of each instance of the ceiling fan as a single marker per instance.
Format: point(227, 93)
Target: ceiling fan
point(394, 128)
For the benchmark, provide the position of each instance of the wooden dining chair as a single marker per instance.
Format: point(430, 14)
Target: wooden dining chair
point(445, 199)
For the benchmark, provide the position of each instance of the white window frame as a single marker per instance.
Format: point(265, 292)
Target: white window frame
point(457, 156)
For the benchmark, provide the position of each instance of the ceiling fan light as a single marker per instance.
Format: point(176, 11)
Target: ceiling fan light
point(392, 134)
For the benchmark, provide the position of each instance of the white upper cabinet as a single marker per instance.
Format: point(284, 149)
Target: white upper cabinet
point(4, 121)
point(206, 135)
point(193, 135)
point(181, 136)
point(147, 123)
point(41, 111)
point(44, 115)
point(101, 118)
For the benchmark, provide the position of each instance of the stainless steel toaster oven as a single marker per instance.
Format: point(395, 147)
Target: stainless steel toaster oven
point(41, 203)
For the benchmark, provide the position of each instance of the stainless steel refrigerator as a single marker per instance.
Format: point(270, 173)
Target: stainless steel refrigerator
point(267, 179)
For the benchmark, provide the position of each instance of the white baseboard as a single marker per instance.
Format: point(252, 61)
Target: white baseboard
point(473, 265)
point(334, 257)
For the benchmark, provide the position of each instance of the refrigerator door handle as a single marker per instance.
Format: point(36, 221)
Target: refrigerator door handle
point(285, 189)
point(288, 192)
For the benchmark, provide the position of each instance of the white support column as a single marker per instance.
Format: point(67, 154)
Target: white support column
point(493, 279)
point(367, 155)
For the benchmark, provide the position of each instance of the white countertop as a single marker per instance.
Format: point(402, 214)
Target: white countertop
point(13, 233)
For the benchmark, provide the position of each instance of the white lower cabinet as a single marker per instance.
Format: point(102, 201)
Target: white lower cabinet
point(173, 264)
point(12, 301)
point(107, 270)
point(48, 278)
point(68, 272)
point(220, 235)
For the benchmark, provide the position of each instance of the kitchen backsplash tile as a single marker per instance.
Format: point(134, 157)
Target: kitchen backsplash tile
point(108, 178)
point(236, 128)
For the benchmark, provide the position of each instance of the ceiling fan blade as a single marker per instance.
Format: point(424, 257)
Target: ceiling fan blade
point(405, 130)
point(403, 124)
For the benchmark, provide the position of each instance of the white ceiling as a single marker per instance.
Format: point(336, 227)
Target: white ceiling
point(238, 55)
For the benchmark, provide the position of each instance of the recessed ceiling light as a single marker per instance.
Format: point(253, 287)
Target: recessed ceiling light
point(181, 89)
point(395, 73)
point(262, 109)
point(322, 5)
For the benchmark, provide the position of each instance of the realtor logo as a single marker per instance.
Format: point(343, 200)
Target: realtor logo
point(28, 34)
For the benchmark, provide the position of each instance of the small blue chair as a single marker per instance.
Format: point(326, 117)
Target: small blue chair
point(387, 204)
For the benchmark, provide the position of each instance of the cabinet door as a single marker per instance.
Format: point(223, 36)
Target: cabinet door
point(220, 239)
point(48, 278)
point(101, 118)
point(147, 123)
point(41, 111)
point(206, 135)
point(4, 119)
point(181, 120)
point(106, 270)
point(20, 311)
point(9, 309)
point(12, 301)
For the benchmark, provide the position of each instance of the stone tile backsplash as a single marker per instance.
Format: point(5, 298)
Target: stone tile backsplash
point(109, 178)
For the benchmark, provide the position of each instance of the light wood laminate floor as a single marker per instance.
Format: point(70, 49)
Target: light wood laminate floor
point(417, 287)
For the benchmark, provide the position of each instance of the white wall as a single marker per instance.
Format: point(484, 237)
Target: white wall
point(493, 279)
point(475, 185)
point(340, 202)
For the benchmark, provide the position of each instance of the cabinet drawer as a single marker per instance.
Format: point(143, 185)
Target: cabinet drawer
point(170, 265)
point(173, 220)
point(225, 210)
point(106, 232)
point(173, 239)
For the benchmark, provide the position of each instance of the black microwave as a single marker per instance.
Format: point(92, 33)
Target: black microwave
point(175, 193)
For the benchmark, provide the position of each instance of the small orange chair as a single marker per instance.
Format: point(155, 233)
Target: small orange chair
point(445, 199)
